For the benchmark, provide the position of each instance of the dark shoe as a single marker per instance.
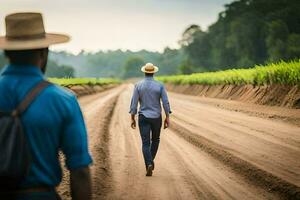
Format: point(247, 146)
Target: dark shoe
point(149, 170)
point(153, 165)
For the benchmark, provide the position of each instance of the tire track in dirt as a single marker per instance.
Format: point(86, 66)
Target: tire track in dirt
point(102, 166)
point(271, 145)
point(97, 110)
point(254, 174)
point(263, 151)
point(183, 171)
point(209, 176)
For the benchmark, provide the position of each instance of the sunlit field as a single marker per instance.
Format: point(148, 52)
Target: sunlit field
point(83, 81)
point(276, 73)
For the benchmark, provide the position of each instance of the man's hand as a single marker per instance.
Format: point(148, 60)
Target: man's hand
point(80, 182)
point(133, 123)
point(167, 122)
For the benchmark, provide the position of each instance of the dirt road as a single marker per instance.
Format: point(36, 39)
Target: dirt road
point(215, 149)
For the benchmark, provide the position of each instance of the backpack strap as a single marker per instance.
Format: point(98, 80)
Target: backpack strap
point(3, 114)
point(30, 97)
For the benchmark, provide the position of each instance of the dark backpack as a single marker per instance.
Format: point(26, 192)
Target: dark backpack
point(15, 155)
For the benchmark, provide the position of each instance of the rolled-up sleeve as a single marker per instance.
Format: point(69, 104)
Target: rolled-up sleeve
point(134, 101)
point(74, 138)
point(165, 101)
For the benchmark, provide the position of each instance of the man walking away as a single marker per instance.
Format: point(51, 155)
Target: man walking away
point(52, 120)
point(149, 93)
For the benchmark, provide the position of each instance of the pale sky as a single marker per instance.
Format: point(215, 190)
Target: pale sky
point(118, 24)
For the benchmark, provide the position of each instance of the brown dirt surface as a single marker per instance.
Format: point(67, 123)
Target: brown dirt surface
point(288, 115)
point(97, 110)
point(215, 149)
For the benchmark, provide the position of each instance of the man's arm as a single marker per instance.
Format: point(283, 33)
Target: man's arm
point(81, 186)
point(166, 105)
point(133, 107)
point(74, 145)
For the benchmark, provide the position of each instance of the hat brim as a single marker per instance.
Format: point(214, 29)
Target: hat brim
point(48, 40)
point(156, 69)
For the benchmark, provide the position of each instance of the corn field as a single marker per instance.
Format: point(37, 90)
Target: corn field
point(287, 73)
point(83, 81)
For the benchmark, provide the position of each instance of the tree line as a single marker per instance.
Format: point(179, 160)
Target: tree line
point(119, 63)
point(246, 33)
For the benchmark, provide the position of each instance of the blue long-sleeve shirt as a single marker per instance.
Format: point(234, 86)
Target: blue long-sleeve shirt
point(149, 93)
point(53, 122)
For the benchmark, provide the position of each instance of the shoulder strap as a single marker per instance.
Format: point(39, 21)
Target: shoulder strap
point(29, 98)
point(3, 114)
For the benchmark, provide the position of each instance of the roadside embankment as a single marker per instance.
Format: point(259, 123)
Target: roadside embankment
point(276, 84)
point(275, 94)
point(86, 86)
point(82, 90)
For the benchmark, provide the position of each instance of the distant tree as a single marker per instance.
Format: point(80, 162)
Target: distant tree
point(188, 35)
point(132, 67)
point(169, 61)
point(247, 32)
point(277, 40)
point(198, 51)
point(186, 67)
point(293, 46)
point(59, 71)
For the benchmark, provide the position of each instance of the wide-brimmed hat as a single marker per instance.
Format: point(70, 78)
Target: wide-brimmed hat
point(26, 31)
point(149, 68)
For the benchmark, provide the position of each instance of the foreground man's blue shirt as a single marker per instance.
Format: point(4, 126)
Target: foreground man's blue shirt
point(149, 93)
point(53, 122)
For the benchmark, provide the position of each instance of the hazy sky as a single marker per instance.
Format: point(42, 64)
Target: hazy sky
point(114, 24)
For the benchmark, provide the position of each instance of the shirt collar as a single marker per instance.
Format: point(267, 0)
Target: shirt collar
point(22, 70)
point(148, 78)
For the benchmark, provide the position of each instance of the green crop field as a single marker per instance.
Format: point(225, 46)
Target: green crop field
point(287, 73)
point(83, 81)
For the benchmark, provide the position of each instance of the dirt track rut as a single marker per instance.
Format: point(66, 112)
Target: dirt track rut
point(186, 165)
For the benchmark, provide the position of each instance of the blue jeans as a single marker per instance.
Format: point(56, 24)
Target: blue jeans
point(150, 134)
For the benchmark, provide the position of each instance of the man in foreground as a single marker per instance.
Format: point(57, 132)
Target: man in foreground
point(149, 93)
point(52, 122)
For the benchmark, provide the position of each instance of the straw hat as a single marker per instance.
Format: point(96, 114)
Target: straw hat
point(26, 31)
point(149, 68)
